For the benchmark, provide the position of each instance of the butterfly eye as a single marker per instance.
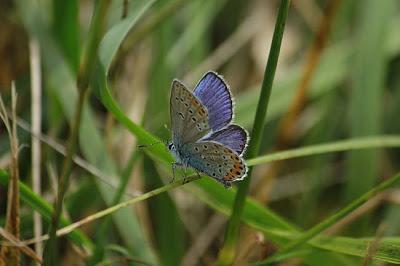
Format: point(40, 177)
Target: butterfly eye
point(170, 146)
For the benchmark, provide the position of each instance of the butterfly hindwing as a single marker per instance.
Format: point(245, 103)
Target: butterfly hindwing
point(189, 118)
point(233, 137)
point(215, 160)
point(214, 94)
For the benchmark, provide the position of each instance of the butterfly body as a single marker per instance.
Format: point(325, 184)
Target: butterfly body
point(202, 136)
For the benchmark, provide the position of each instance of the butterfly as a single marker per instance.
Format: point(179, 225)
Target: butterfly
point(203, 136)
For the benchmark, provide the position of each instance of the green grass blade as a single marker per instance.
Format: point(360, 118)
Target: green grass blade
point(66, 30)
point(115, 35)
point(324, 131)
point(226, 255)
point(254, 215)
point(102, 233)
point(309, 234)
point(93, 149)
point(367, 95)
point(388, 249)
point(333, 69)
point(280, 231)
point(196, 28)
point(343, 145)
point(50, 253)
point(45, 209)
point(162, 209)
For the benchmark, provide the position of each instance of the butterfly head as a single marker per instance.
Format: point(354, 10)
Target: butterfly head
point(170, 146)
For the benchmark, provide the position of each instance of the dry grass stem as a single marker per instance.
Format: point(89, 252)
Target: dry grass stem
point(374, 244)
point(11, 255)
point(13, 241)
point(204, 240)
point(36, 118)
point(90, 168)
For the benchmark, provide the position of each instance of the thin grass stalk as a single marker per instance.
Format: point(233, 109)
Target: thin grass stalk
point(227, 253)
point(69, 228)
point(333, 219)
point(288, 122)
point(51, 247)
point(88, 60)
point(36, 116)
point(337, 146)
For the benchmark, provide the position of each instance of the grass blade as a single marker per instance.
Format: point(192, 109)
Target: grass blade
point(343, 145)
point(367, 95)
point(161, 208)
point(45, 209)
point(85, 71)
point(66, 30)
point(309, 234)
point(226, 255)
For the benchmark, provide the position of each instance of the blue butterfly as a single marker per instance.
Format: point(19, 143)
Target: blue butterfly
point(202, 134)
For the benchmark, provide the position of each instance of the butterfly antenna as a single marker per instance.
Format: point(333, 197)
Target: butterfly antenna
point(167, 128)
point(141, 146)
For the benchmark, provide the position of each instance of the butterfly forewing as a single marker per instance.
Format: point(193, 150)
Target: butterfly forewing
point(189, 118)
point(215, 160)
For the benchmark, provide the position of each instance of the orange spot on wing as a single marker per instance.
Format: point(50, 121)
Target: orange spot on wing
point(194, 102)
point(228, 177)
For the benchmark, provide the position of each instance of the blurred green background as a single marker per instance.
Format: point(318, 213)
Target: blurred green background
point(353, 92)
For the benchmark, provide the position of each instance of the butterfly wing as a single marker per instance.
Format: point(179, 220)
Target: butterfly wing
point(214, 94)
point(189, 118)
point(233, 137)
point(215, 160)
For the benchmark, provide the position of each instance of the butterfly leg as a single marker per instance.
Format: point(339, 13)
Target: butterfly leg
point(185, 174)
point(198, 174)
point(226, 184)
point(175, 165)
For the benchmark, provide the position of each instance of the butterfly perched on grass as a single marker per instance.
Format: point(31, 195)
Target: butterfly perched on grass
point(202, 134)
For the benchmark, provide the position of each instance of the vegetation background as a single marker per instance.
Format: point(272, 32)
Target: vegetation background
point(108, 65)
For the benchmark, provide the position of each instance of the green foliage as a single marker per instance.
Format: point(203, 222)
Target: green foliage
point(346, 135)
